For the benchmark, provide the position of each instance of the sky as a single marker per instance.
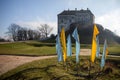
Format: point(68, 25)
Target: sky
point(33, 13)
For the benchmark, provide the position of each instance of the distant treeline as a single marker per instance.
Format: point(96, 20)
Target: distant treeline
point(18, 33)
point(3, 40)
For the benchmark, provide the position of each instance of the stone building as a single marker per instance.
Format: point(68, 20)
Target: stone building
point(82, 17)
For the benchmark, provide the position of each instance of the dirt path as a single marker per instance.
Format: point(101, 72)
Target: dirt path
point(8, 62)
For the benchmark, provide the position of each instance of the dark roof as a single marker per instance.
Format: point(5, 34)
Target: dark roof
point(73, 12)
point(67, 12)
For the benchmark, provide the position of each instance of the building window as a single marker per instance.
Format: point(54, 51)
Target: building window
point(61, 20)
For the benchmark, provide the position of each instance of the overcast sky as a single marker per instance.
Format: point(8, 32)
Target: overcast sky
point(32, 13)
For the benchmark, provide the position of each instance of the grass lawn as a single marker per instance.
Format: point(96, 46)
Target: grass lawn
point(36, 48)
point(113, 49)
point(50, 69)
point(28, 48)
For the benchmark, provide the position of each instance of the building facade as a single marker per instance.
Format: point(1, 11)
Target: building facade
point(67, 17)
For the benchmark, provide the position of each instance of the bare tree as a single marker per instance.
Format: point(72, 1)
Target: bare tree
point(36, 35)
point(25, 33)
point(30, 34)
point(2, 39)
point(18, 33)
point(45, 30)
point(13, 31)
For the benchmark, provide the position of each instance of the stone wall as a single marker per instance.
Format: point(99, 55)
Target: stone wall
point(83, 17)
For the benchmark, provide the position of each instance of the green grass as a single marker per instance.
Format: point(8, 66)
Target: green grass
point(28, 48)
point(113, 49)
point(50, 69)
point(36, 48)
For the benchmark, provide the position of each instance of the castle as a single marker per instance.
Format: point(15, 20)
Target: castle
point(67, 17)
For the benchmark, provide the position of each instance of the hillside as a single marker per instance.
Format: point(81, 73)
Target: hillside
point(85, 34)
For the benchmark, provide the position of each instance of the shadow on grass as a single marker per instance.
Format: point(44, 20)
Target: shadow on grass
point(41, 44)
point(113, 63)
point(21, 75)
point(115, 54)
point(36, 78)
point(29, 55)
